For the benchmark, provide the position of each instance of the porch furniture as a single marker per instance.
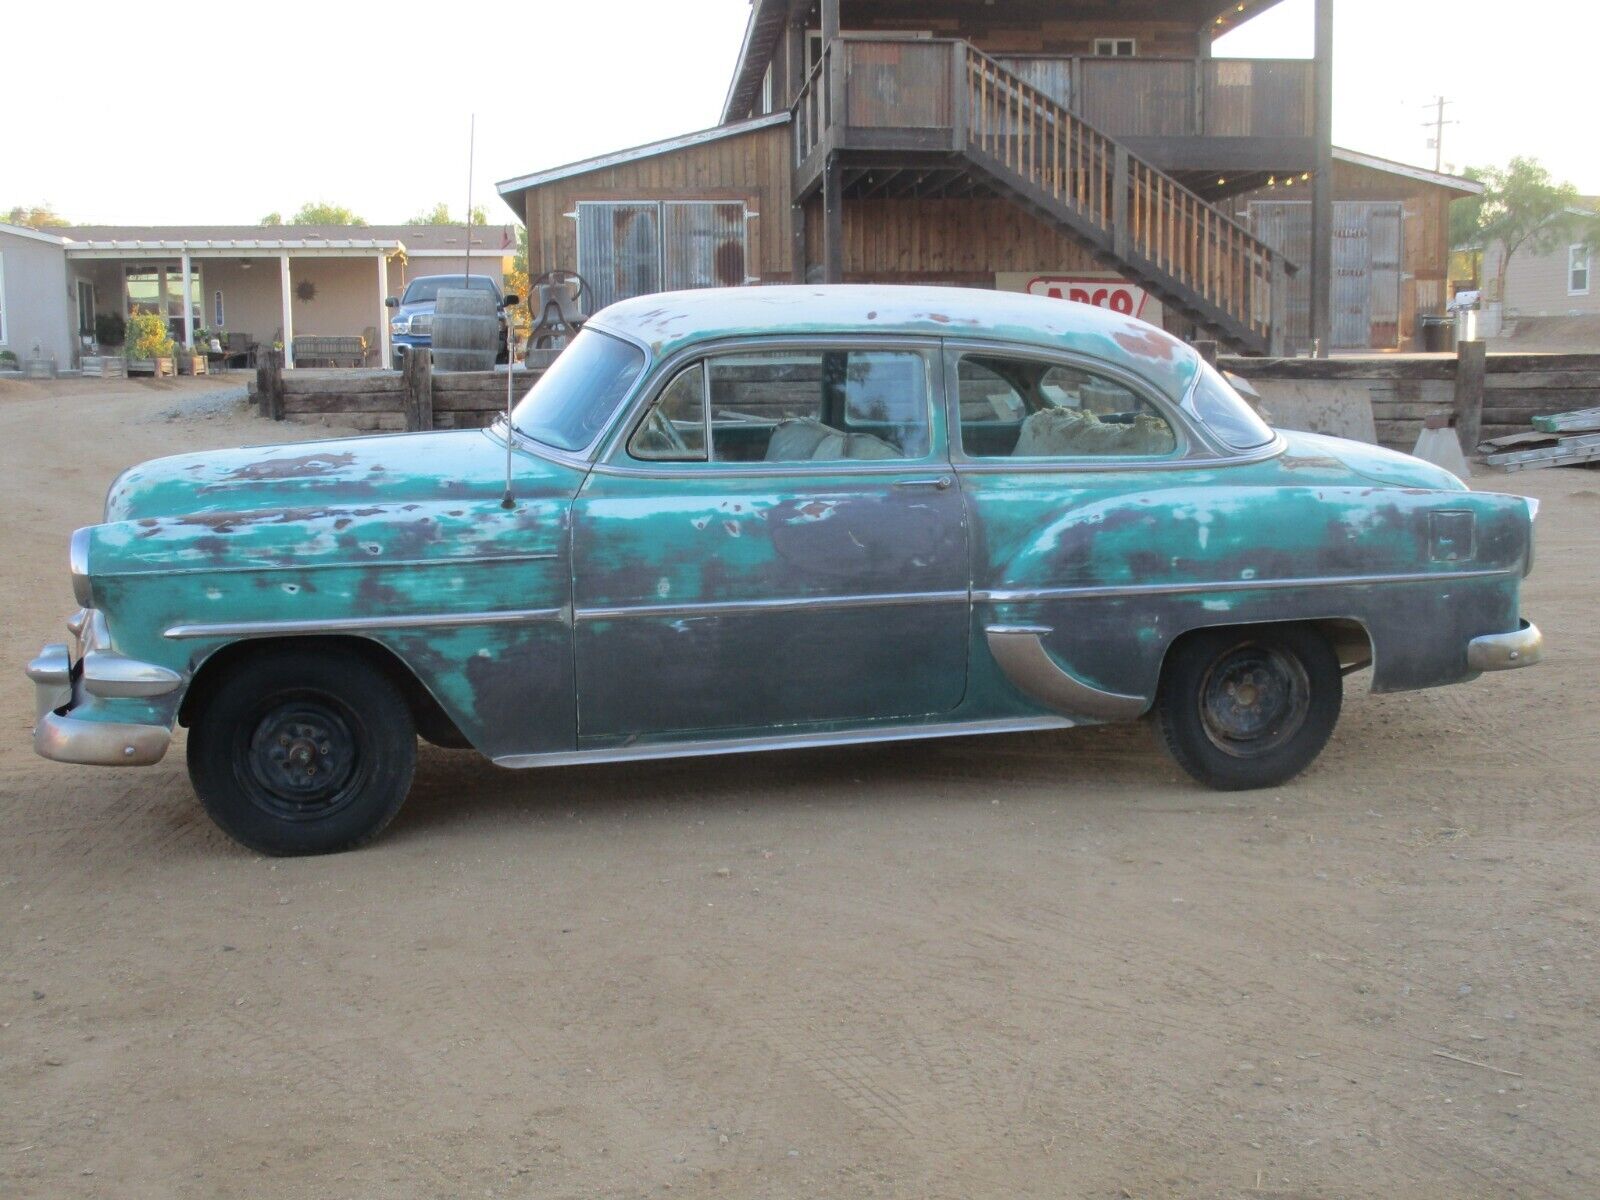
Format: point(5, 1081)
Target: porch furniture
point(322, 351)
point(239, 351)
point(369, 336)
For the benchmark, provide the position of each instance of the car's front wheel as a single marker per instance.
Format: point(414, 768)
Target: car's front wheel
point(301, 752)
point(1249, 707)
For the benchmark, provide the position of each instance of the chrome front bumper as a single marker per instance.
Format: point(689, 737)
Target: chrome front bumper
point(1504, 651)
point(62, 686)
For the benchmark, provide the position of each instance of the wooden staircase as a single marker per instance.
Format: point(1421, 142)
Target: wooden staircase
point(1132, 217)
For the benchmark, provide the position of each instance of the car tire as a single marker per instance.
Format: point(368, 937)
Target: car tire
point(1249, 706)
point(301, 752)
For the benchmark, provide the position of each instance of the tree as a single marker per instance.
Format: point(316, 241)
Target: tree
point(1523, 207)
point(272, 218)
point(439, 214)
point(323, 213)
point(35, 216)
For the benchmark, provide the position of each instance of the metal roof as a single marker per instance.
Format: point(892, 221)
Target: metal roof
point(1459, 183)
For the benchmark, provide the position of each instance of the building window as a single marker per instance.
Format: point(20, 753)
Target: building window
point(85, 308)
point(1578, 270)
point(2, 299)
point(636, 247)
point(1115, 47)
point(158, 288)
point(217, 321)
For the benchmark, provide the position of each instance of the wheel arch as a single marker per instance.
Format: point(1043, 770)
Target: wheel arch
point(1349, 636)
point(430, 717)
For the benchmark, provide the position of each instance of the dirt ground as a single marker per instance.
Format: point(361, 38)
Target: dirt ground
point(1026, 966)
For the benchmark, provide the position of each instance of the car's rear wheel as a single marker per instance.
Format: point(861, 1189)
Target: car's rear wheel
point(302, 753)
point(1249, 707)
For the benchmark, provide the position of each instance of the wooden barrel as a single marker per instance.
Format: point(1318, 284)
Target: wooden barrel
point(466, 330)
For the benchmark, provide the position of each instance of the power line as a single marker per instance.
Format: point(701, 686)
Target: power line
point(1436, 142)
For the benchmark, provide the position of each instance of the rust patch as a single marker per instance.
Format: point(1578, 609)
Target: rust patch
point(289, 468)
point(1148, 343)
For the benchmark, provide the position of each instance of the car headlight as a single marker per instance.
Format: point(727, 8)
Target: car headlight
point(422, 323)
point(399, 325)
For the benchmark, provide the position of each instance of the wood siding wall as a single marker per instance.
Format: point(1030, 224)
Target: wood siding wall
point(1011, 28)
point(753, 167)
point(944, 241)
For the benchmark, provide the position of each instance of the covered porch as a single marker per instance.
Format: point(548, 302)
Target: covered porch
point(321, 298)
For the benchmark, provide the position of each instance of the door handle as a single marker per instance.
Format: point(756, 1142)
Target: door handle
point(941, 483)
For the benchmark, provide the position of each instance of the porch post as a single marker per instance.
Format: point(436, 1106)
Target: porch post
point(288, 309)
point(1322, 182)
point(830, 22)
point(383, 313)
point(832, 221)
point(188, 302)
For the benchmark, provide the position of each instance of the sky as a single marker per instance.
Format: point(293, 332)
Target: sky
point(222, 116)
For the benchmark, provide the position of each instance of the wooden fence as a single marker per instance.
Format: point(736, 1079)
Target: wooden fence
point(1489, 395)
point(415, 398)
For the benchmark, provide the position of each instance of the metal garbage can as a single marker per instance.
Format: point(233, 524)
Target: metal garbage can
point(1438, 333)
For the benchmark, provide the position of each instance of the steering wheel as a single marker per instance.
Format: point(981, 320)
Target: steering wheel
point(658, 423)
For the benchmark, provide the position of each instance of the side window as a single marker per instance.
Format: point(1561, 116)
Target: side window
point(818, 405)
point(1021, 408)
point(674, 430)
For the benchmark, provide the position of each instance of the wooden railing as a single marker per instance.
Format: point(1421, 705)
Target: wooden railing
point(940, 94)
point(1142, 213)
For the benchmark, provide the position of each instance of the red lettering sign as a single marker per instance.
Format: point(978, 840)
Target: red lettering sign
point(1114, 294)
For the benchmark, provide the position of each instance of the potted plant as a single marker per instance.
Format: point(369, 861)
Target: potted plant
point(149, 346)
point(193, 362)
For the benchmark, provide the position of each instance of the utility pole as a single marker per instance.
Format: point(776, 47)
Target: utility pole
point(1438, 104)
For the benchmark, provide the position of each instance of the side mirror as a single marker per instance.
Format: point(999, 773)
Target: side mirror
point(511, 301)
point(392, 302)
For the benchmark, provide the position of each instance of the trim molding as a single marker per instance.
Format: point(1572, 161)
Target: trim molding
point(1020, 595)
point(792, 741)
point(517, 616)
point(1035, 673)
point(796, 604)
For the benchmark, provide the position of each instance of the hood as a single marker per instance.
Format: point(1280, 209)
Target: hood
point(456, 465)
point(1387, 467)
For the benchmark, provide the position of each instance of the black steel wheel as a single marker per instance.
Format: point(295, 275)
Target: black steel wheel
point(301, 752)
point(1249, 707)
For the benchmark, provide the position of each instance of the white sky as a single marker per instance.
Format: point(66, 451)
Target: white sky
point(122, 115)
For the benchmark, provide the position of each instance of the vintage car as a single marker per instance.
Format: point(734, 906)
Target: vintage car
point(765, 518)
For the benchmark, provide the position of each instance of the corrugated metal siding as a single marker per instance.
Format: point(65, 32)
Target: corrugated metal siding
point(703, 245)
point(619, 250)
point(1368, 253)
point(1286, 227)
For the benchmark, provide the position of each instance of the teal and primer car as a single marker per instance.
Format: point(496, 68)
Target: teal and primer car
point(766, 518)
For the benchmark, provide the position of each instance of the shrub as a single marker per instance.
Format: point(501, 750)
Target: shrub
point(109, 328)
point(8, 360)
point(147, 337)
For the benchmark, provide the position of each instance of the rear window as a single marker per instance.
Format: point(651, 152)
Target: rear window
point(1226, 413)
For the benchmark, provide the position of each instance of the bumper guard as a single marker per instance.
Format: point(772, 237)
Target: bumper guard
point(1504, 651)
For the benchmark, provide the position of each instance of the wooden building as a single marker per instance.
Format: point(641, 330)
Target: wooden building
point(1390, 255)
point(1068, 147)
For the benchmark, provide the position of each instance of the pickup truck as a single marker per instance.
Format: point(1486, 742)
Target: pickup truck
point(411, 322)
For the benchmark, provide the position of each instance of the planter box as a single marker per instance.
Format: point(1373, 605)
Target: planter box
point(152, 366)
point(191, 364)
point(105, 366)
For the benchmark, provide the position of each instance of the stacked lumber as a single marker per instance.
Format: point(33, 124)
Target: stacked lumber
point(1556, 440)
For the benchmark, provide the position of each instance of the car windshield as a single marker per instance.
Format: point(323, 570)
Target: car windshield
point(426, 290)
point(575, 398)
point(1226, 413)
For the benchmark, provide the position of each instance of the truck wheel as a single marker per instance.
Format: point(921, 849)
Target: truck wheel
point(303, 752)
point(1249, 707)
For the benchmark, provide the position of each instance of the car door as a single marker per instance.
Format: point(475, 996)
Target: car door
point(773, 540)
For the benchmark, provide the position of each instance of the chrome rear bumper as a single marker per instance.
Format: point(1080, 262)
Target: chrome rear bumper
point(1503, 651)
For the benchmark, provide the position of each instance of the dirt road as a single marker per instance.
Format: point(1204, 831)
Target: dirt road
point(1039, 965)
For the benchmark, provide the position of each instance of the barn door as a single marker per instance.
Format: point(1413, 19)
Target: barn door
point(1285, 225)
point(1383, 242)
point(1352, 299)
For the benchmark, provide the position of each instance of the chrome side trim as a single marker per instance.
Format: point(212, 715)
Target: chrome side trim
point(792, 741)
point(108, 674)
point(516, 616)
point(721, 608)
point(99, 743)
point(1035, 673)
point(51, 672)
point(1504, 651)
point(78, 563)
point(1017, 595)
point(366, 565)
